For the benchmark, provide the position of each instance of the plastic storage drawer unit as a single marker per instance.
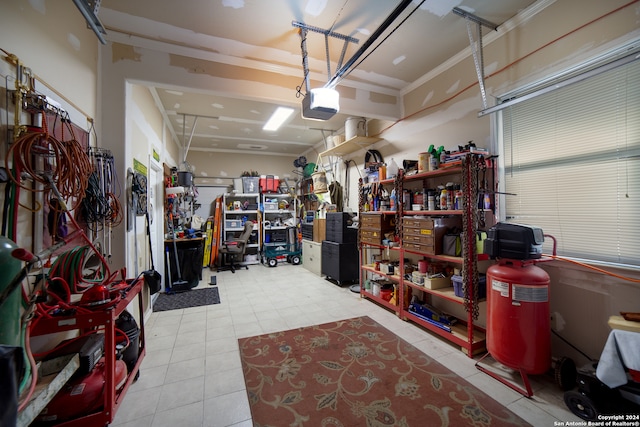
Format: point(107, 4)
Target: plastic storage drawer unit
point(340, 261)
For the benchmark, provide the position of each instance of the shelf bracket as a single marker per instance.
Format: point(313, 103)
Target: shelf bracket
point(89, 9)
point(476, 46)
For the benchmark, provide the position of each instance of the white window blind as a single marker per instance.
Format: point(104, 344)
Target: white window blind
point(572, 157)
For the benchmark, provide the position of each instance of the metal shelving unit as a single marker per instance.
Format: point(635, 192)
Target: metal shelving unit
point(239, 207)
point(465, 332)
point(279, 221)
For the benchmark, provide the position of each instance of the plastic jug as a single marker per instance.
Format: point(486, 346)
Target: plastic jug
point(392, 169)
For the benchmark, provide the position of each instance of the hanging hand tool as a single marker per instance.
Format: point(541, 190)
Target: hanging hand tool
point(179, 284)
point(135, 235)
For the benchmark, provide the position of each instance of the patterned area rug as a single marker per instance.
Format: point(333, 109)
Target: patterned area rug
point(193, 298)
point(353, 373)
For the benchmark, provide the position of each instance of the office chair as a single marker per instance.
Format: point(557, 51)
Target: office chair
point(233, 250)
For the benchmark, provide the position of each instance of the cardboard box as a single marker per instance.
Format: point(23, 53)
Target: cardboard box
point(437, 282)
point(319, 230)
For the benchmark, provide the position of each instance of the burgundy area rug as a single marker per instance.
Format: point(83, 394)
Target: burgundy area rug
point(355, 372)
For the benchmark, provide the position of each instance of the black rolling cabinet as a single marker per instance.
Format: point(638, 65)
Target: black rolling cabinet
point(340, 249)
point(338, 229)
point(340, 261)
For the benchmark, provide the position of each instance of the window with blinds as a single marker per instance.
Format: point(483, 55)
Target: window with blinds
point(572, 158)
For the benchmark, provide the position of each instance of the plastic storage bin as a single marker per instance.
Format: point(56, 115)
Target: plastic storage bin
point(307, 231)
point(269, 183)
point(457, 286)
point(250, 184)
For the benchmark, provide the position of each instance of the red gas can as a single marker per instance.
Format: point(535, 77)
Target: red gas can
point(518, 318)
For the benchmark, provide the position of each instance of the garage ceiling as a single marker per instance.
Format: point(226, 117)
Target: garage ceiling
point(254, 36)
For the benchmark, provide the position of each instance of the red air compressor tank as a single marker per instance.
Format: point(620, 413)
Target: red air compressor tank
point(518, 318)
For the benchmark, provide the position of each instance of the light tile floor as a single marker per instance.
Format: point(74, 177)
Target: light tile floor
point(192, 376)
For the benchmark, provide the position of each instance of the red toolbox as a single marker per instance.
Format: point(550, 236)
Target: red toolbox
point(269, 183)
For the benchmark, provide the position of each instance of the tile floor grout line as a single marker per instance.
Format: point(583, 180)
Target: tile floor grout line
point(265, 287)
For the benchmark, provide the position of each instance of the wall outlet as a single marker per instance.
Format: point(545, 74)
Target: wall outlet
point(557, 322)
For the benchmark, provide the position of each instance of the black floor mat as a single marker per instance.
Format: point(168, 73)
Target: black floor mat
point(193, 298)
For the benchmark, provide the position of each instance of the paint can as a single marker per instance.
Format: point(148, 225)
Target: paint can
point(423, 162)
point(434, 162)
point(422, 266)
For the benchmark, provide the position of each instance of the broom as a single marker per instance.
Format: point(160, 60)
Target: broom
point(151, 277)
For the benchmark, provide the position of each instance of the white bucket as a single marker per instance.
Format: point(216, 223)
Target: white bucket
point(375, 289)
point(355, 126)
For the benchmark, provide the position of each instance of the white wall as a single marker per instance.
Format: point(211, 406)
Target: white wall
point(28, 32)
point(52, 39)
point(144, 130)
point(444, 109)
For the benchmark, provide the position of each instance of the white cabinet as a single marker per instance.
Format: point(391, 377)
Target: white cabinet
point(239, 208)
point(312, 256)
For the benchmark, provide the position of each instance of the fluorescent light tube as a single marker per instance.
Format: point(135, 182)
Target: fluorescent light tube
point(278, 118)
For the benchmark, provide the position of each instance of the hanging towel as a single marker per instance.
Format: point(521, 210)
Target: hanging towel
point(621, 350)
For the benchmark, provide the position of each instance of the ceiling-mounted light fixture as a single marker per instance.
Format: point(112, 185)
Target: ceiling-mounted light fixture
point(320, 103)
point(278, 118)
